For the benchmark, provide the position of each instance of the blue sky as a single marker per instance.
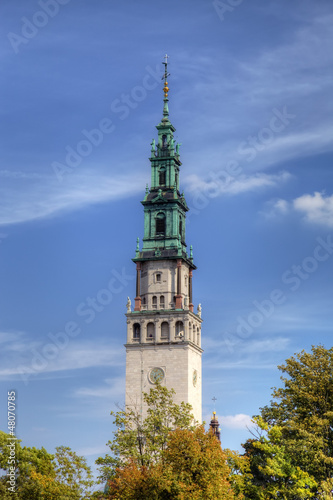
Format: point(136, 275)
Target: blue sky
point(251, 99)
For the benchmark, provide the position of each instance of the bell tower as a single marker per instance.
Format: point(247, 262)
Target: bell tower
point(163, 332)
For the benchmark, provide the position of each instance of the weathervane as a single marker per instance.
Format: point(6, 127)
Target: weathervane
point(214, 399)
point(165, 76)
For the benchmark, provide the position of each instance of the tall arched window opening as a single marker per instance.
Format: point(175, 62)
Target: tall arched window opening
point(150, 331)
point(160, 224)
point(165, 330)
point(179, 329)
point(136, 331)
point(161, 177)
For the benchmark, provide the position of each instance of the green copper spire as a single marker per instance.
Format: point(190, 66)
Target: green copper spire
point(164, 206)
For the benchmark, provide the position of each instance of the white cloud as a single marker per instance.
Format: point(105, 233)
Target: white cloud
point(317, 208)
point(281, 206)
point(239, 421)
point(93, 450)
point(222, 183)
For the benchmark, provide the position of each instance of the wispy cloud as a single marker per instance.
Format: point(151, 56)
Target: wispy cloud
point(26, 357)
point(10, 338)
point(248, 346)
point(112, 388)
point(9, 174)
point(295, 73)
point(46, 197)
point(220, 185)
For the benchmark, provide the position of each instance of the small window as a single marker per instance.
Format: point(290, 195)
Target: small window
point(164, 141)
point(162, 302)
point(144, 301)
point(158, 277)
point(154, 302)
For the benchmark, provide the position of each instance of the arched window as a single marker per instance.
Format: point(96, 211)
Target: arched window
point(162, 305)
point(144, 301)
point(136, 331)
point(179, 329)
point(190, 331)
point(154, 302)
point(161, 177)
point(164, 141)
point(180, 228)
point(150, 331)
point(198, 336)
point(160, 224)
point(165, 330)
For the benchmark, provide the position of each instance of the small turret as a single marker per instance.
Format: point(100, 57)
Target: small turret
point(215, 426)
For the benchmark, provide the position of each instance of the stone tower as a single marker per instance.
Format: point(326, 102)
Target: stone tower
point(163, 332)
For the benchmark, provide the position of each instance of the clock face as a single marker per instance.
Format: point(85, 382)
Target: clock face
point(156, 375)
point(195, 377)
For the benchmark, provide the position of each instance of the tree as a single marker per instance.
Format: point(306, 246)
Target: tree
point(273, 473)
point(72, 470)
point(41, 475)
point(164, 456)
point(298, 446)
point(143, 440)
point(191, 467)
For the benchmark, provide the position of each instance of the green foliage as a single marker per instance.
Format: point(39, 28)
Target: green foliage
point(274, 474)
point(73, 471)
point(164, 456)
point(43, 476)
point(293, 456)
point(144, 440)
